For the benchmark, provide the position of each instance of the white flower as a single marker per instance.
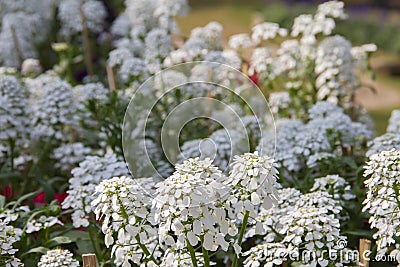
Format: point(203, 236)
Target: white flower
point(53, 106)
point(190, 207)
point(263, 64)
point(279, 101)
point(267, 30)
point(70, 14)
point(69, 155)
point(42, 222)
point(8, 236)
point(253, 179)
point(241, 40)
point(84, 179)
point(386, 142)
point(269, 221)
point(175, 259)
point(124, 207)
point(14, 121)
point(394, 122)
point(266, 254)
point(211, 34)
point(383, 172)
point(31, 66)
point(158, 46)
point(336, 186)
point(58, 258)
point(334, 9)
point(334, 67)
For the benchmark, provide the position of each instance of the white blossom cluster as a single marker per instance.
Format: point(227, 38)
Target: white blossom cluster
point(266, 254)
point(41, 223)
point(124, 207)
point(382, 172)
point(58, 258)
point(267, 30)
point(241, 40)
point(394, 122)
point(73, 14)
point(173, 259)
point(263, 64)
point(336, 186)
point(329, 62)
point(253, 181)
point(334, 67)
point(308, 26)
point(384, 142)
point(52, 105)
point(297, 222)
point(189, 207)
point(82, 185)
point(299, 145)
point(14, 119)
point(24, 26)
point(279, 101)
point(8, 236)
point(68, 156)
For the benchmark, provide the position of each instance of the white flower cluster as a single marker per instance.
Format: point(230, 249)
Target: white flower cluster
point(173, 259)
point(58, 258)
point(334, 67)
point(328, 125)
point(14, 119)
point(382, 172)
point(279, 101)
point(336, 186)
point(262, 63)
point(272, 254)
point(124, 207)
point(8, 236)
point(84, 179)
point(309, 26)
point(189, 207)
point(24, 25)
point(42, 222)
point(253, 179)
point(73, 13)
point(241, 40)
point(309, 221)
point(158, 46)
point(394, 122)
point(68, 156)
point(384, 142)
point(53, 106)
point(267, 30)
point(269, 221)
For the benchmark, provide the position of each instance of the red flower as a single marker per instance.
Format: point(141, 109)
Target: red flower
point(40, 199)
point(254, 78)
point(60, 197)
point(6, 191)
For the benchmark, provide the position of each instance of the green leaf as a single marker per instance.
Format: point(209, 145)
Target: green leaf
point(41, 250)
point(59, 240)
point(2, 201)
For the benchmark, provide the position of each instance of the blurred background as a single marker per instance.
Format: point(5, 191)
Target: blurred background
point(370, 21)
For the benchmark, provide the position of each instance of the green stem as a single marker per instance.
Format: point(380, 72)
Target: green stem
point(241, 234)
point(145, 250)
point(192, 253)
point(205, 255)
point(93, 243)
